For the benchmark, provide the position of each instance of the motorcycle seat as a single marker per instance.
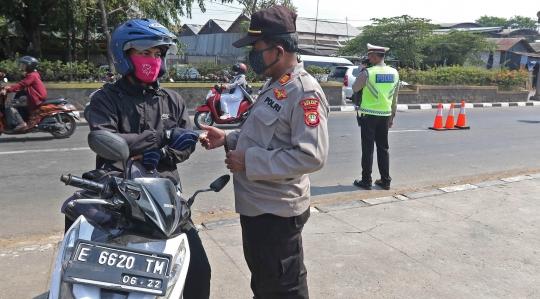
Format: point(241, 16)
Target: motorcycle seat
point(54, 101)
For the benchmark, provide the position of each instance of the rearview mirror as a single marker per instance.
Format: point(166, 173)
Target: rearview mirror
point(108, 145)
point(218, 184)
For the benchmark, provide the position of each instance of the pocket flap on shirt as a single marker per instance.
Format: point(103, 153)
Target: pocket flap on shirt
point(266, 116)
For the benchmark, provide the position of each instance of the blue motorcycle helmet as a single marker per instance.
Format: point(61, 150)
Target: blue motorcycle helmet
point(140, 34)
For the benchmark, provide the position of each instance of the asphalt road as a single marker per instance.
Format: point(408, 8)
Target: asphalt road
point(502, 141)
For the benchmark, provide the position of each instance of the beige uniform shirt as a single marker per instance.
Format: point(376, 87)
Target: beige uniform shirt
point(285, 138)
point(361, 81)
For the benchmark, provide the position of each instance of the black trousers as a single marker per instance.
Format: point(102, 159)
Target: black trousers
point(274, 255)
point(199, 272)
point(374, 130)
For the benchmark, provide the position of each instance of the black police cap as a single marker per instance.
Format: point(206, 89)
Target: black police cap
point(273, 20)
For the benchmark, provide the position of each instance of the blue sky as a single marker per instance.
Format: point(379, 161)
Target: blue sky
point(358, 13)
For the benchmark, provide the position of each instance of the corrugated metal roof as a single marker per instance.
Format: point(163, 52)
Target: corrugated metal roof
point(193, 27)
point(525, 31)
point(325, 27)
point(460, 25)
point(505, 43)
point(223, 24)
point(478, 29)
point(219, 44)
point(535, 55)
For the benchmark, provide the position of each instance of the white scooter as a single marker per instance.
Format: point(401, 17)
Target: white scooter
point(141, 251)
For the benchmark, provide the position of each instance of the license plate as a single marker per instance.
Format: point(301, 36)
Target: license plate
point(118, 268)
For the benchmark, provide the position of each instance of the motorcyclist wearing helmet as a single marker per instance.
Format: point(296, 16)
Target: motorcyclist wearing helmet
point(230, 102)
point(31, 92)
point(153, 120)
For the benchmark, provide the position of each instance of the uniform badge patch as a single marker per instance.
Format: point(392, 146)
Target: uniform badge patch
point(280, 94)
point(311, 111)
point(285, 78)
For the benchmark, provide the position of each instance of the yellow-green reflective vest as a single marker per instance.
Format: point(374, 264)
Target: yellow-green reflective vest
point(379, 91)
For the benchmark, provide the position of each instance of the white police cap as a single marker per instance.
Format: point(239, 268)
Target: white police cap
point(372, 48)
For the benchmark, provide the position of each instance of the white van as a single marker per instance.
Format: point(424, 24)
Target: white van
point(324, 61)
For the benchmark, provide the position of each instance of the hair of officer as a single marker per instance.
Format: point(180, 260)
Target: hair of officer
point(289, 41)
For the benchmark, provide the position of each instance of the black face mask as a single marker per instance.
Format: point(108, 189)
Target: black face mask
point(256, 60)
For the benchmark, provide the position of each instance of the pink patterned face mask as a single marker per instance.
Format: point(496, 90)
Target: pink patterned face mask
point(146, 68)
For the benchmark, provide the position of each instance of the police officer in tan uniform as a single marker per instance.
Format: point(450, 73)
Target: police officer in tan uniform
point(284, 138)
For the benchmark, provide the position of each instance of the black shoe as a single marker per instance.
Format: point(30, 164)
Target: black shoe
point(362, 184)
point(385, 186)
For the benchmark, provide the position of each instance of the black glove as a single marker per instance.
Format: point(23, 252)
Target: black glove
point(181, 139)
point(151, 159)
point(217, 87)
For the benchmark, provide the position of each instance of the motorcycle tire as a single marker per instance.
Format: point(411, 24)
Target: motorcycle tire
point(70, 126)
point(200, 119)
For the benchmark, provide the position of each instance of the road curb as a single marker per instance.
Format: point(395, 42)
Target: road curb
point(390, 199)
point(403, 107)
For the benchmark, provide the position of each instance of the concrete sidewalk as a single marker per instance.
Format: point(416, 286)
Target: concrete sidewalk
point(472, 241)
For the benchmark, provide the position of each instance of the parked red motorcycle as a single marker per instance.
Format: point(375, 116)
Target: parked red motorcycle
point(53, 116)
point(210, 109)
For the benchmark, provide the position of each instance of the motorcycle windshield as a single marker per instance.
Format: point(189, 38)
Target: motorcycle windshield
point(159, 202)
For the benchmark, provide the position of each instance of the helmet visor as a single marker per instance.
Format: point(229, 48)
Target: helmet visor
point(143, 44)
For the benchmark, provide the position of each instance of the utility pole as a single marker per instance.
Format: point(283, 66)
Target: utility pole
point(347, 26)
point(536, 96)
point(316, 20)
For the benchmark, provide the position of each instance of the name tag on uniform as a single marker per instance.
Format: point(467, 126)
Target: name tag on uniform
point(384, 78)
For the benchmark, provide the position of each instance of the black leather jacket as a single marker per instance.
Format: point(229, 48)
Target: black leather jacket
point(140, 115)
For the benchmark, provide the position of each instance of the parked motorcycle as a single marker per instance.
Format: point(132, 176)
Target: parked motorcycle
point(54, 116)
point(141, 250)
point(210, 109)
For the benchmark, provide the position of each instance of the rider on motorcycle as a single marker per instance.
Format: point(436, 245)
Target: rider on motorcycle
point(153, 120)
point(32, 91)
point(231, 101)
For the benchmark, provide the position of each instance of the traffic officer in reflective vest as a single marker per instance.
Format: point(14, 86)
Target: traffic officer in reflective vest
point(379, 84)
point(284, 138)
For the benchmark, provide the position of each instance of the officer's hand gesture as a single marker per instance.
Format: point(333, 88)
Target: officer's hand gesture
point(236, 160)
point(213, 138)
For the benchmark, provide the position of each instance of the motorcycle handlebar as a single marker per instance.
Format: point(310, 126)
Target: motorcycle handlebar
point(82, 183)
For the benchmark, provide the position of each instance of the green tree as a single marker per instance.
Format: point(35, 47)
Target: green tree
point(403, 35)
point(521, 22)
point(516, 22)
point(251, 6)
point(488, 21)
point(454, 48)
point(77, 18)
point(27, 15)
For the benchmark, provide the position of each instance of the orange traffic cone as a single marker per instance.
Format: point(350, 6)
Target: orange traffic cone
point(450, 119)
point(462, 118)
point(438, 124)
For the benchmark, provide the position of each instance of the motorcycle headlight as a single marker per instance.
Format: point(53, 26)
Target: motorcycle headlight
point(71, 237)
point(178, 264)
point(209, 95)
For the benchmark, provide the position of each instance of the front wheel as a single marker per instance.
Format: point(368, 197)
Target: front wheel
point(68, 127)
point(203, 118)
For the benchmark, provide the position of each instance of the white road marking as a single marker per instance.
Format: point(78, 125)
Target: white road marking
point(458, 188)
point(46, 150)
point(517, 179)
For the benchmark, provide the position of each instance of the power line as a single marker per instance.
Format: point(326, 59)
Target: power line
point(212, 2)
